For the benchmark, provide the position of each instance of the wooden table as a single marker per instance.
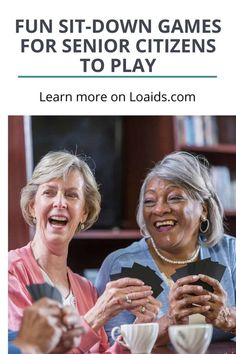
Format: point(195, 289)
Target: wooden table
point(214, 348)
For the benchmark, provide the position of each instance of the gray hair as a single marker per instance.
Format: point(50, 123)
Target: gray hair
point(59, 164)
point(192, 174)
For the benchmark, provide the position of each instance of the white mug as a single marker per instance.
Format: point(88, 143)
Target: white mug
point(139, 337)
point(191, 338)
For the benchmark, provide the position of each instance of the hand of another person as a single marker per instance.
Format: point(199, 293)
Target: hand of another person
point(121, 294)
point(186, 299)
point(147, 313)
point(219, 314)
point(41, 329)
point(72, 330)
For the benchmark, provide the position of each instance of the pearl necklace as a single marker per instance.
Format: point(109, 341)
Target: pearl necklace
point(190, 260)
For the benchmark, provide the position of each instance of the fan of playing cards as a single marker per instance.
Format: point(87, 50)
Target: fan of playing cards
point(205, 266)
point(144, 273)
point(38, 291)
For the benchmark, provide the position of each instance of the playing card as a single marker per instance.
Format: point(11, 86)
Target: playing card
point(144, 273)
point(212, 269)
point(180, 273)
point(33, 290)
point(45, 290)
point(205, 266)
point(201, 266)
point(38, 291)
point(56, 295)
point(116, 276)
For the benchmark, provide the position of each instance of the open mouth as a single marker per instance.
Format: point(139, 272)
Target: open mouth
point(166, 225)
point(58, 220)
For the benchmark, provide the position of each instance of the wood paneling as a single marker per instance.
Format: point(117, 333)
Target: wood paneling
point(18, 229)
point(146, 140)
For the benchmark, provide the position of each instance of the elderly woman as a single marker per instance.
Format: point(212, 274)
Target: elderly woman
point(61, 199)
point(180, 217)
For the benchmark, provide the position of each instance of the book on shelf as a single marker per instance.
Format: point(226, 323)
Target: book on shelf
point(233, 195)
point(211, 131)
point(197, 130)
point(227, 129)
point(225, 186)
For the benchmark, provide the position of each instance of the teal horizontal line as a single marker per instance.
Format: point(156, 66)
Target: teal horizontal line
point(117, 77)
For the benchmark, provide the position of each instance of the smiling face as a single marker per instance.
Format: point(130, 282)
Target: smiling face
point(172, 217)
point(59, 207)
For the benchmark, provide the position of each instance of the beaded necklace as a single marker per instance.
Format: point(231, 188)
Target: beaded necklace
point(190, 260)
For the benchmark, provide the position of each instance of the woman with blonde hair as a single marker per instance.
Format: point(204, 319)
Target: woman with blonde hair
point(61, 199)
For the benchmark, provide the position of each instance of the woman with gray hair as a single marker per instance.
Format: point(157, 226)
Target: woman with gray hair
point(181, 219)
point(61, 199)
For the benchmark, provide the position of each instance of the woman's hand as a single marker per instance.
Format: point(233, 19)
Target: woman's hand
point(186, 299)
point(41, 328)
point(119, 295)
point(147, 313)
point(72, 330)
point(219, 314)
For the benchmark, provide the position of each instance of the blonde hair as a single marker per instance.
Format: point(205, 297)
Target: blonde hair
point(59, 164)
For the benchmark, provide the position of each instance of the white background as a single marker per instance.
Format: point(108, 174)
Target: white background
point(214, 96)
point(21, 96)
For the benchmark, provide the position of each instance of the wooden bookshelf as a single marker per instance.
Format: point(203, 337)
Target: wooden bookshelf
point(109, 234)
point(219, 148)
point(222, 153)
point(230, 213)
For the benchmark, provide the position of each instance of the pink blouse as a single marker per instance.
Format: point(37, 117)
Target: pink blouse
point(24, 270)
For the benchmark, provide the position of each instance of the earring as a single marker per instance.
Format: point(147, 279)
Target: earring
point(34, 220)
point(204, 225)
point(81, 226)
